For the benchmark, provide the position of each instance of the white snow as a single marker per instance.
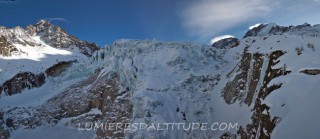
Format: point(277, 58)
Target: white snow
point(302, 121)
point(56, 132)
point(35, 59)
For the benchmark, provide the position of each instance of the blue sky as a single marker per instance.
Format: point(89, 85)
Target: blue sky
point(104, 21)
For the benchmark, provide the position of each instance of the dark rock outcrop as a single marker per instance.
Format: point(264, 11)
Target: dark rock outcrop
point(29, 80)
point(245, 85)
point(226, 43)
point(58, 68)
point(21, 81)
point(254, 31)
point(235, 89)
point(266, 29)
point(6, 48)
point(263, 122)
point(311, 71)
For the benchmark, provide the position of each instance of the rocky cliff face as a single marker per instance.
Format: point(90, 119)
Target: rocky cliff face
point(21, 81)
point(28, 80)
point(6, 48)
point(226, 43)
point(250, 88)
point(18, 35)
point(58, 68)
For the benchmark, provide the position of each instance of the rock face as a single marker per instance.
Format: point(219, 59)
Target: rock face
point(250, 88)
point(58, 68)
point(6, 49)
point(28, 80)
point(226, 43)
point(22, 81)
point(249, 72)
point(261, 30)
point(262, 122)
point(57, 37)
point(311, 71)
point(18, 35)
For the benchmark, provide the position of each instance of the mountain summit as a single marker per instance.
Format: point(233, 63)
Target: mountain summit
point(274, 29)
point(45, 32)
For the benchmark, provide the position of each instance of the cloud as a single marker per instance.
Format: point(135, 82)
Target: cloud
point(220, 38)
point(255, 25)
point(57, 19)
point(209, 17)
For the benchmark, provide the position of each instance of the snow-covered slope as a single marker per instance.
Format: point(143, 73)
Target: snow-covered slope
point(33, 51)
point(296, 100)
point(170, 82)
point(264, 86)
point(280, 78)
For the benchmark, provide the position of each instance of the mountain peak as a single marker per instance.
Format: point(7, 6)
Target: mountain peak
point(48, 33)
point(274, 29)
point(43, 22)
point(260, 30)
point(59, 38)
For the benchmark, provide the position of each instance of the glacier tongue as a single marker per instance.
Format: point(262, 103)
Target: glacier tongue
point(170, 82)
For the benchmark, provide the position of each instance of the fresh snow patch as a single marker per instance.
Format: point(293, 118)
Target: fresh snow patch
point(95, 111)
point(37, 52)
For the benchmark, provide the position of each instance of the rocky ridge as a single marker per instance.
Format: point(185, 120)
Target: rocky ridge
point(48, 33)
